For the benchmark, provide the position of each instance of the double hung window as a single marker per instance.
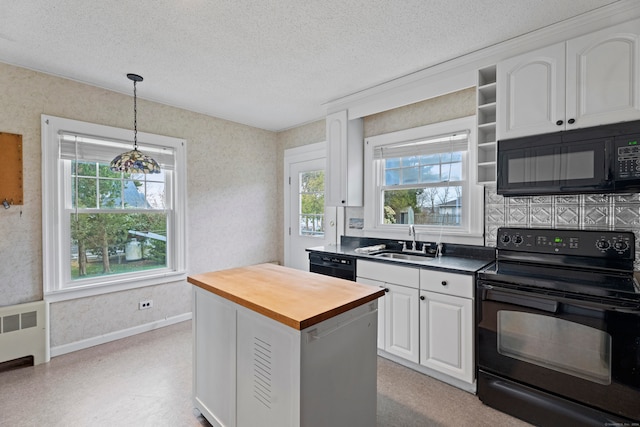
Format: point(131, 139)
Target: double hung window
point(422, 176)
point(422, 180)
point(108, 230)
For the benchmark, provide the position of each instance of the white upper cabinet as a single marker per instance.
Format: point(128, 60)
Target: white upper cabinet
point(606, 66)
point(586, 81)
point(531, 92)
point(345, 167)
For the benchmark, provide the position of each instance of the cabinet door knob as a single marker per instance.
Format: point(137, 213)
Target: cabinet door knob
point(422, 297)
point(559, 122)
point(571, 121)
point(444, 283)
point(342, 201)
point(386, 289)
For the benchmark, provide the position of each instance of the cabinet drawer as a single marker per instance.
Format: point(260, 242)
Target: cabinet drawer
point(385, 272)
point(460, 285)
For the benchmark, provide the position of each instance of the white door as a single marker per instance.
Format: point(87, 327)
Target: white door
point(401, 328)
point(308, 222)
point(446, 335)
point(382, 302)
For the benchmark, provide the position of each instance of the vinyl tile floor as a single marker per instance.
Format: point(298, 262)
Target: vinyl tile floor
point(146, 380)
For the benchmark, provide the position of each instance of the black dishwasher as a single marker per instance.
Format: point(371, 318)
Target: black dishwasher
point(341, 266)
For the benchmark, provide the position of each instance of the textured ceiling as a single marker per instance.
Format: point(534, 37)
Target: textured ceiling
point(265, 63)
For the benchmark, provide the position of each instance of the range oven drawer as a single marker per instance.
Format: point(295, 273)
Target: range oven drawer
point(533, 404)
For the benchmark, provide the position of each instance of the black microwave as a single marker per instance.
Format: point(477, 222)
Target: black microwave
point(601, 159)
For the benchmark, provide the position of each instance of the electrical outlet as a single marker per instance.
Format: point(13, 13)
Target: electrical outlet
point(143, 305)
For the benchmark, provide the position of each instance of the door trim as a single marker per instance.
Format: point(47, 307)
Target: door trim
point(295, 155)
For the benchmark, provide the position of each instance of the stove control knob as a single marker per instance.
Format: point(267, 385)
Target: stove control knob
point(602, 244)
point(505, 238)
point(620, 246)
point(517, 240)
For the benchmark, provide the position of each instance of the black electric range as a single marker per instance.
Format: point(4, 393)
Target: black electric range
point(558, 327)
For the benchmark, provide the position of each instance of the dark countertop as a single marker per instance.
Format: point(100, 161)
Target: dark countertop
point(462, 259)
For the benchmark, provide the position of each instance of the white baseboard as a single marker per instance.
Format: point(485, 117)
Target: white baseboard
point(112, 336)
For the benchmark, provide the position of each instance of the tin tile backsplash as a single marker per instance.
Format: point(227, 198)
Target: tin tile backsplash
point(584, 212)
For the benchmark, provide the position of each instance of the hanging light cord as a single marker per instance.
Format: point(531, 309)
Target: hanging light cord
point(439, 243)
point(135, 117)
point(76, 179)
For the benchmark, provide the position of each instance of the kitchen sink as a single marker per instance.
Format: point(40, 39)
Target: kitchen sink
point(403, 256)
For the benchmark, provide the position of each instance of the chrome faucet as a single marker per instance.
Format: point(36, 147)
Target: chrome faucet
point(439, 248)
point(412, 233)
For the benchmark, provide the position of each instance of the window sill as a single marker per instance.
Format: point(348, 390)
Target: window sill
point(114, 286)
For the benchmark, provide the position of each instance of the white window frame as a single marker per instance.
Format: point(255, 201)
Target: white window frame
point(471, 227)
point(56, 229)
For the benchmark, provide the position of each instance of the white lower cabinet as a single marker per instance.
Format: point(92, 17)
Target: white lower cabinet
point(446, 335)
point(446, 323)
point(398, 310)
point(382, 312)
point(250, 370)
point(425, 319)
point(401, 328)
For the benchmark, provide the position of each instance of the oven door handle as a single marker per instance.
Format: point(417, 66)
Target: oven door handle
point(518, 298)
point(545, 303)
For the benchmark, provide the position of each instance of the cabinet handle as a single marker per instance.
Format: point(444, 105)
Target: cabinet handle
point(559, 122)
point(444, 283)
point(571, 121)
point(422, 297)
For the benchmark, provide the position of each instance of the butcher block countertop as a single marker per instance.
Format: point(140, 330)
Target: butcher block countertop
point(296, 298)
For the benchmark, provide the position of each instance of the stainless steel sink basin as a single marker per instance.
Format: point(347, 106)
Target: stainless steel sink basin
point(404, 256)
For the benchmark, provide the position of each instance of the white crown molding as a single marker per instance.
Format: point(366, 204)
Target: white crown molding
point(459, 73)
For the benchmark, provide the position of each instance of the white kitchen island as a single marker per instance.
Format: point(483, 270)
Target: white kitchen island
point(274, 346)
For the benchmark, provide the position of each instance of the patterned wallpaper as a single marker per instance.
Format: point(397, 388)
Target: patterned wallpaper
point(231, 212)
point(584, 211)
point(451, 106)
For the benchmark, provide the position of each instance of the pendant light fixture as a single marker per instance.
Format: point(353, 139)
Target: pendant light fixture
point(134, 161)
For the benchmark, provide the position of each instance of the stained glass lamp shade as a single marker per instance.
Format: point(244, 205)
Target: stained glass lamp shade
point(134, 161)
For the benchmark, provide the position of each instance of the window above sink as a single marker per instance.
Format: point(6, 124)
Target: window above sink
point(423, 176)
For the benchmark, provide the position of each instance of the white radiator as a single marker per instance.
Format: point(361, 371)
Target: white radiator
point(23, 332)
